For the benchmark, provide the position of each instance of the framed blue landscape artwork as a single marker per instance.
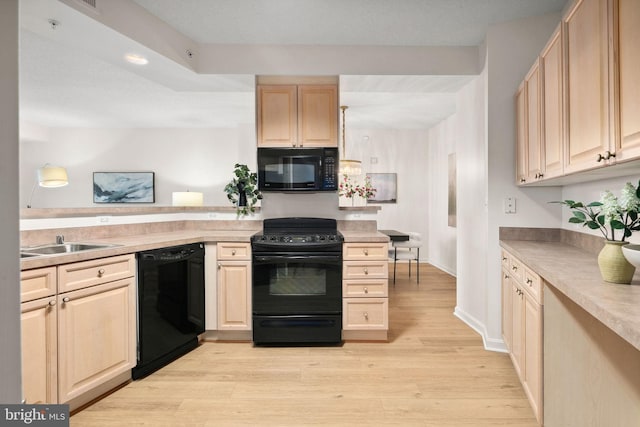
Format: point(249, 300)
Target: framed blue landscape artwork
point(123, 187)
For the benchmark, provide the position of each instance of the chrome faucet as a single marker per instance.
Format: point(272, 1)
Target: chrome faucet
point(59, 239)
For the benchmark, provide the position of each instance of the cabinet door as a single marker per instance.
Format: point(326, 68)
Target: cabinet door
point(277, 116)
point(533, 150)
point(517, 338)
point(96, 336)
point(588, 91)
point(507, 309)
point(234, 295)
point(521, 136)
point(39, 351)
point(317, 116)
point(532, 357)
point(628, 143)
point(552, 109)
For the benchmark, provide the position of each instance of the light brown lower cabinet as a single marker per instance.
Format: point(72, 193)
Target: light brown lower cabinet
point(96, 336)
point(39, 351)
point(365, 291)
point(74, 343)
point(234, 286)
point(522, 307)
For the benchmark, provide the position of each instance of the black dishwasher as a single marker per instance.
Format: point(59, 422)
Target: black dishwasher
point(170, 305)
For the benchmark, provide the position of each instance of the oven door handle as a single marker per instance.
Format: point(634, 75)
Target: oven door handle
point(263, 259)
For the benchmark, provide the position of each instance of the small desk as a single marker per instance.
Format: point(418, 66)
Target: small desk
point(395, 236)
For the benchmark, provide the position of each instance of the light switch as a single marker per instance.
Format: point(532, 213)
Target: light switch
point(510, 205)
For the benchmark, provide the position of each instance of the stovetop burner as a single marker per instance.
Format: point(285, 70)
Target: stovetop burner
point(298, 231)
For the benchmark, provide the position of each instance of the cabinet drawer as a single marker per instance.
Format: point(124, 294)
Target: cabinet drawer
point(532, 284)
point(38, 283)
point(96, 271)
point(365, 288)
point(365, 251)
point(365, 270)
point(234, 251)
point(516, 269)
point(365, 313)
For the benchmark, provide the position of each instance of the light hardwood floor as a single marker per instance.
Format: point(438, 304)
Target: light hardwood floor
point(432, 372)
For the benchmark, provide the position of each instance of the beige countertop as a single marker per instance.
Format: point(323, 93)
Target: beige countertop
point(143, 242)
point(575, 273)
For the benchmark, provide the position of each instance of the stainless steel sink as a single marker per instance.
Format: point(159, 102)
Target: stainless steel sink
point(62, 248)
point(26, 255)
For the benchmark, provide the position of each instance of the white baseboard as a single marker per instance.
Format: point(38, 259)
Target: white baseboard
point(490, 344)
point(443, 268)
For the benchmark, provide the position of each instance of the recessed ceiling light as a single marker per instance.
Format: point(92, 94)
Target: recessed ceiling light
point(136, 59)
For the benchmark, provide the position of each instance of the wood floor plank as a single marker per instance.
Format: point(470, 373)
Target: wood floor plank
point(433, 371)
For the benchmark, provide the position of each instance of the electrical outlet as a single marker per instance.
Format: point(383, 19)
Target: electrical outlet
point(211, 215)
point(509, 205)
point(102, 220)
point(374, 160)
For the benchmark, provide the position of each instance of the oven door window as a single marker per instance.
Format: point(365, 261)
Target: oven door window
point(282, 286)
point(298, 280)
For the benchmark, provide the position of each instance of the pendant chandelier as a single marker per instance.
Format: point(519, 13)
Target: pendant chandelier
point(347, 166)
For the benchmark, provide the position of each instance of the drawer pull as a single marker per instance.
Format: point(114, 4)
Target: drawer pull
point(66, 299)
point(506, 276)
point(366, 252)
point(514, 268)
point(504, 258)
point(101, 272)
point(366, 271)
point(366, 290)
point(366, 315)
point(233, 252)
point(52, 302)
point(529, 281)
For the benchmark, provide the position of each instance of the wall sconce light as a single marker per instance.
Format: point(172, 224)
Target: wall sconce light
point(49, 177)
point(187, 198)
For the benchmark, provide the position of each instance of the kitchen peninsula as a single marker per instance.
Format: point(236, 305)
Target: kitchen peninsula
point(111, 269)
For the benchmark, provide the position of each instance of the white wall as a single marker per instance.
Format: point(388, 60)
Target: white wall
point(10, 388)
point(203, 159)
point(182, 159)
point(441, 240)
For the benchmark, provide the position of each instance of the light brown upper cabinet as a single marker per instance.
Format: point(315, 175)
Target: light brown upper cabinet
point(521, 135)
point(297, 115)
point(590, 140)
point(627, 13)
point(529, 148)
point(589, 98)
point(551, 124)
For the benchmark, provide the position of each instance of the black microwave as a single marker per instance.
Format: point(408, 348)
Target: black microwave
point(297, 169)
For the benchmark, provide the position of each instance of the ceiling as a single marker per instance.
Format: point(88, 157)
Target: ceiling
point(68, 81)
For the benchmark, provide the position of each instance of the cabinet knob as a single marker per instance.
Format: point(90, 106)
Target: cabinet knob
point(522, 180)
point(233, 252)
point(101, 272)
point(504, 258)
point(514, 268)
point(608, 155)
point(506, 276)
point(529, 281)
point(539, 175)
point(366, 290)
point(366, 252)
point(366, 315)
point(366, 271)
point(599, 158)
point(52, 302)
point(66, 299)
point(219, 266)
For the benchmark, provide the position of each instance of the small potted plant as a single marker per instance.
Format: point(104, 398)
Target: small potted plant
point(242, 190)
point(616, 219)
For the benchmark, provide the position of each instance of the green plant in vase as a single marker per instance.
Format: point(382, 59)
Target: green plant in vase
point(616, 219)
point(242, 190)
